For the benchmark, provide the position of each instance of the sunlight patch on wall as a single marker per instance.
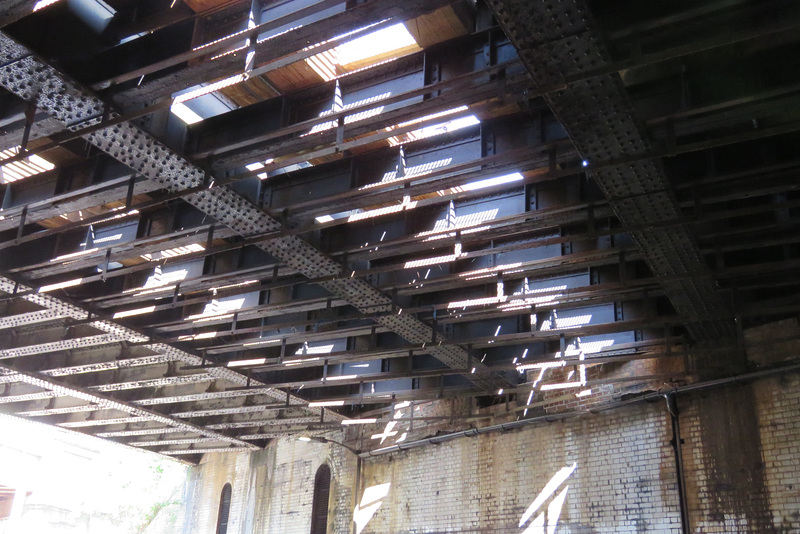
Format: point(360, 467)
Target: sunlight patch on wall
point(546, 522)
point(370, 502)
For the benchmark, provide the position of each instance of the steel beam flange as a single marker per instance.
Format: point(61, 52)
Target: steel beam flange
point(142, 432)
point(255, 423)
point(64, 344)
point(208, 395)
point(25, 397)
point(165, 442)
point(178, 452)
point(30, 318)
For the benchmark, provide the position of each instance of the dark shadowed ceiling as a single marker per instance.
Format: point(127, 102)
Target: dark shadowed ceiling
point(224, 222)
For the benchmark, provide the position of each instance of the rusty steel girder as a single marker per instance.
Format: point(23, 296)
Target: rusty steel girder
point(557, 39)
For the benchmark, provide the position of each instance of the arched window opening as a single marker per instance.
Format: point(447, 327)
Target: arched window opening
point(224, 509)
point(319, 509)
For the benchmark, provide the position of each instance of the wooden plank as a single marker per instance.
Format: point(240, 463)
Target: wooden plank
point(441, 25)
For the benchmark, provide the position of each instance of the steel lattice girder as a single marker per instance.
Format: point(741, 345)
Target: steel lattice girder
point(103, 422)
point(64, 344)
point(97, 367)
point(555, 39)
point(110, 365)
point(272, 435)
point(209, 395)
point(143, 432)
point(25, 397)
point(60, 411)
point(155, 382)
point(165, 442)
point(119, 386)
point(227, 411)
point(33, 80)
point(178, 452)
point(57, 389)
point(30, 318)
point(126, 334)
point(261, 422)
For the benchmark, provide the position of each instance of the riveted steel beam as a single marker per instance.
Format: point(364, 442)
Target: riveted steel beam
point(272, 435)
point(557, 39)
point(64, 344)
point(25, 397)
point(261, 422)
point(127, 363)
point(179, 452)
point(60, 411)
point(103, 422)
point(193, 397)
point(208, 395)
point(30, 318)
point(155, 382)
point(143, 432)
point(97, 367)
point(126, 334)
point(228, 411)
point(165, 442)
point(32, 79)
point(59, 389)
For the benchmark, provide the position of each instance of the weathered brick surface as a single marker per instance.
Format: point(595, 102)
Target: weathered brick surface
point(722, 459)
point(778, 403)
point(742, 457)
point(741, 463)
point(485, 484)
point(272, 489)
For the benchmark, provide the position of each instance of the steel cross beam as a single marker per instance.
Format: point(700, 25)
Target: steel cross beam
point(557, 38)
point(126, 334)
point(64, 344)
point(33, 80)
point(30, 318)
point(142, 414)
point(209, 395)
